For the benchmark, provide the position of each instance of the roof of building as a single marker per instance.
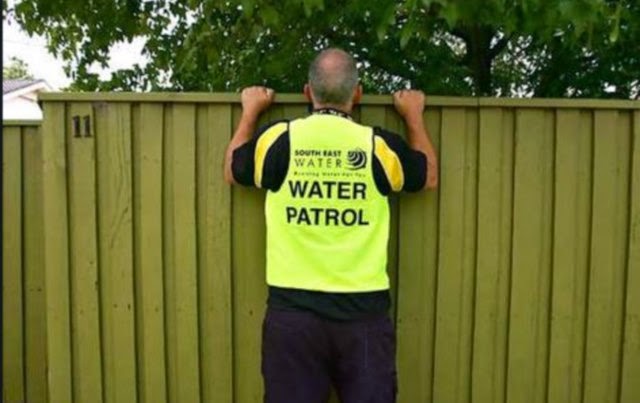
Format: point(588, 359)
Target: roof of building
point(9, 86)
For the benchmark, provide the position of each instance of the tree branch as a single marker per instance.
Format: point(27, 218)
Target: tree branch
point(499, 46)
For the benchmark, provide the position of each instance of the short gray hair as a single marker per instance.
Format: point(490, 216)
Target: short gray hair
point(333, 75)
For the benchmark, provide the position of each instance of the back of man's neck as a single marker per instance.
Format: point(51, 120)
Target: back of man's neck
point(342, 108)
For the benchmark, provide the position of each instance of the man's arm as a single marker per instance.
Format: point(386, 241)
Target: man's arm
point(410, 105)
point(254, 101)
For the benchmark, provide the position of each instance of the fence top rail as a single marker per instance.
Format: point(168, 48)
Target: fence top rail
point(234, 98)
point(17, 122)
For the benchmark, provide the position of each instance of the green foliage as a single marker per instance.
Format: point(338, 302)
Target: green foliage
point(16, 69)
point(463, 47)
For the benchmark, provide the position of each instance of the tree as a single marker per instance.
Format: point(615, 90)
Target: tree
point(16, 69)
point(491, 47)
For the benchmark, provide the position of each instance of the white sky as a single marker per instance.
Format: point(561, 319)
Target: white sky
point(42, 65)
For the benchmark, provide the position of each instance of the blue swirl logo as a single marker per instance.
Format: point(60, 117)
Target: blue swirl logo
point(356, 159)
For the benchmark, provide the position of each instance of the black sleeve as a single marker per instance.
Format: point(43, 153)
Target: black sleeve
point(413, 164)
point(275, 165)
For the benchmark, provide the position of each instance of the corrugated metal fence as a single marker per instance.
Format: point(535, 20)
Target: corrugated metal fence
point(517, 281)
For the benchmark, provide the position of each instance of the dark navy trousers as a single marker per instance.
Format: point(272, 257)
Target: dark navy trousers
point(304, 354)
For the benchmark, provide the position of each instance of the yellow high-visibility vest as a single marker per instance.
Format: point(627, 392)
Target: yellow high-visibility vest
point(328, 225)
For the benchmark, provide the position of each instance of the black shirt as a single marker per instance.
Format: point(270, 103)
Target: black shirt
point(407, 172)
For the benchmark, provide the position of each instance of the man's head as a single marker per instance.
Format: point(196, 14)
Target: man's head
point(333, 80)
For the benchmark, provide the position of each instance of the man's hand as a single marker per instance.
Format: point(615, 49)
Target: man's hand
point(256, 99)
point(409, 103)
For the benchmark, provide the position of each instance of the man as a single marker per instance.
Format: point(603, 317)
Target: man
point(327, 218)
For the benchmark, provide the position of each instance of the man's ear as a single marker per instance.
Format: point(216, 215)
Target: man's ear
point(307, 93)
point(357, 95)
